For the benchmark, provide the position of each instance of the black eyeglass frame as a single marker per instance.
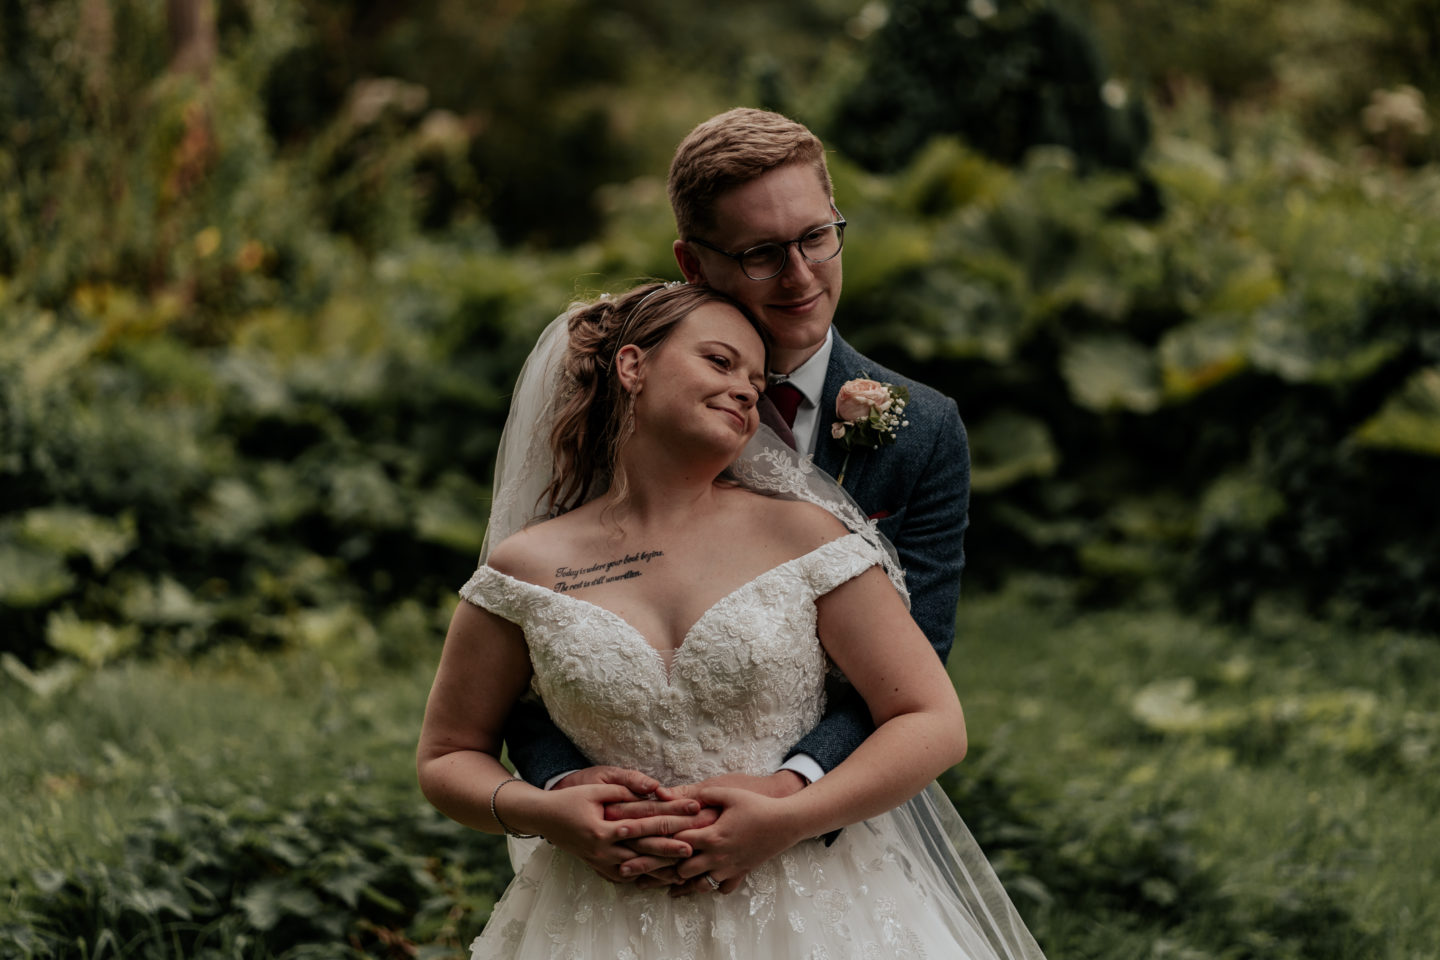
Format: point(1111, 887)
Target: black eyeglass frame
point(839, 223)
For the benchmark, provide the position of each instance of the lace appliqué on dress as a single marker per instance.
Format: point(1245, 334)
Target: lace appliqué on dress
point(745, 684)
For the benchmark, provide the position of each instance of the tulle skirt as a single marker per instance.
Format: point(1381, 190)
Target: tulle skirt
point(909, 883)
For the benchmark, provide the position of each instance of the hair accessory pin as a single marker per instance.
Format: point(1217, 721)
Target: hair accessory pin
point(667, 285)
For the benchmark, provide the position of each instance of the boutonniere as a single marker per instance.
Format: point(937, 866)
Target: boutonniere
point(871, 415)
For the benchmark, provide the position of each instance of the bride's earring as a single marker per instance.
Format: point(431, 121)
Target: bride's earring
point(629, 370)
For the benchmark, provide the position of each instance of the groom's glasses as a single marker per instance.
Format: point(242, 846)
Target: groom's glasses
point(767, 260)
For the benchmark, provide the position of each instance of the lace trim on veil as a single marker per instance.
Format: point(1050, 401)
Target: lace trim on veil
point(769, 466)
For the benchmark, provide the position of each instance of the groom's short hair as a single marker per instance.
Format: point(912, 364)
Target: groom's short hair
point(731, 149)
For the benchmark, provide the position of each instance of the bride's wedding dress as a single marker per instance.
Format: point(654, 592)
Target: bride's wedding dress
point(747, 682)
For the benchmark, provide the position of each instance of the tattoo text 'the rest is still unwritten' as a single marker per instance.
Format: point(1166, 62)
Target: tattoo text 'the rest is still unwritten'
point(569, 578)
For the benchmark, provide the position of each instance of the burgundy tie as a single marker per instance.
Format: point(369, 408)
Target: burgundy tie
point(786, 397)
point(771, 418)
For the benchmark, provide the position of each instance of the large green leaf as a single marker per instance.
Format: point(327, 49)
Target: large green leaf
point(1240, 501)
point(342, 631)
point(1249, 285)
point(1202, 353)
point(1296, 340)
point(1120, 559)
point(41, 351)
point(1189, 170)
point(1006, 448)
point(1409, 420)
point(453, 514)
point(32, 577)
point(953, 314)
point(235, 510)
point(1110, 373)
point(1168, 706)
point(269, 900)
point(361, 495)
point(887, 250)
point(54, 679)
point(69, 531)
point(92, 643)
point(164, 602)
point(947, 175)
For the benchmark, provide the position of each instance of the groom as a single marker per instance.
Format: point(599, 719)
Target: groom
point(756, 218)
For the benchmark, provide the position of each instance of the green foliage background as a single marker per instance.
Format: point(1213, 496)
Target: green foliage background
point(1176, 262)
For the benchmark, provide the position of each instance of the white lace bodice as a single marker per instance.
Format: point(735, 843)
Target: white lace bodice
point(746, 683)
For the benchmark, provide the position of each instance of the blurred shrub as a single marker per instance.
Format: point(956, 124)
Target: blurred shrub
point(1235, 399)
point(529, 110)
point(223, 412)
point(1005, 75)
point(349, 873)
point(1321, 63)
point(1352, 724)
point(1132, 864)
point(253, 369)
point(312, 466)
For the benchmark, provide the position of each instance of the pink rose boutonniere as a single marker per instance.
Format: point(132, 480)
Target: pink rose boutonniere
point(871, 414)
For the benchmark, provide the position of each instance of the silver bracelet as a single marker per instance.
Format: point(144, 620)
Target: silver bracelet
point(493, 813)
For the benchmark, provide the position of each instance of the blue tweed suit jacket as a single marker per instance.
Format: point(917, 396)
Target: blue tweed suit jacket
point(918, 489)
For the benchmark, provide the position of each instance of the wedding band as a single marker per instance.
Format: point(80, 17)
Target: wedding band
point(714, 884)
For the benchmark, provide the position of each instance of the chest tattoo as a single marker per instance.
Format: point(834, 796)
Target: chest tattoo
point(606, 571)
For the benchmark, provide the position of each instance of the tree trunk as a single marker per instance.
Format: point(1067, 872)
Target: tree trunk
point(192, 36)
point(96, 36)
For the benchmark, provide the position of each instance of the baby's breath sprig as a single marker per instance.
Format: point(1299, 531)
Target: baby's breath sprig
point(871, 414)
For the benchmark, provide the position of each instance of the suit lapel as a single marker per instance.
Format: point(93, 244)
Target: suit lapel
point(844, 365)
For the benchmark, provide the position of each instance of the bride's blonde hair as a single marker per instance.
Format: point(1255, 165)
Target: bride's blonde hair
point(594, 412)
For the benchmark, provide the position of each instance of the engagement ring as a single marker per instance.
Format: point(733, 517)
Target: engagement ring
point(714, 884)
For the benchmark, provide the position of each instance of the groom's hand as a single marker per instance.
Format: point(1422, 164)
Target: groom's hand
point(780, 784)
point(632, 780)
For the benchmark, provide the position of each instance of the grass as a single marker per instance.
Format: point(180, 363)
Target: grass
point(82, 768)
point(1157, 786)
point(1304, 757)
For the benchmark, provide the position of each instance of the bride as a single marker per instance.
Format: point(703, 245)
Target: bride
point(678, 615)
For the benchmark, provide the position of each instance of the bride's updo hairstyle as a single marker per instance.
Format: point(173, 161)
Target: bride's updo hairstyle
point(594, 412)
